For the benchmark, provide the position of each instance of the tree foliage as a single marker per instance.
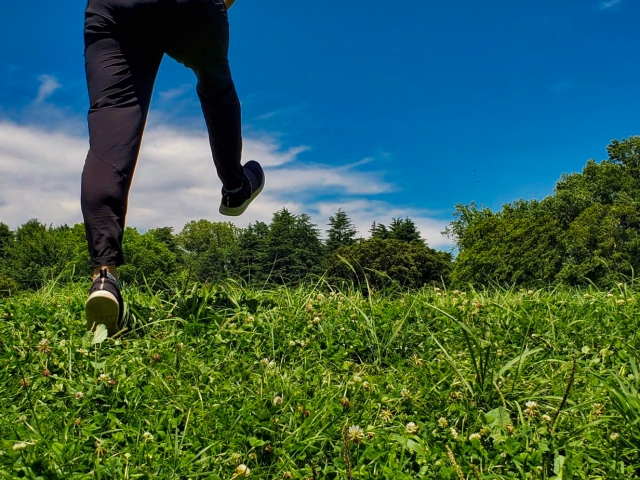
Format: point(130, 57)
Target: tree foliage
point(390, 262)
point(587, 231)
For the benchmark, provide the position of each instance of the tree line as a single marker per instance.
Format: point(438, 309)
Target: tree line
point(586, 232)
point(287, 250)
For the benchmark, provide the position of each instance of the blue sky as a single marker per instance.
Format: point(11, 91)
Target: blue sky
point(384, 108)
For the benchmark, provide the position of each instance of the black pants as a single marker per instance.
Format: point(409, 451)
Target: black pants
point(125, 41)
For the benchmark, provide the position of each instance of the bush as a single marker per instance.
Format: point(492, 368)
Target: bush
point(388, 262)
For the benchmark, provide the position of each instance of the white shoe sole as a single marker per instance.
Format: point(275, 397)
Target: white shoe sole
point(102, 309)
point(234, 212)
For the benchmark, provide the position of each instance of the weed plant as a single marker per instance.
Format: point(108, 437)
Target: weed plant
point(222, 382)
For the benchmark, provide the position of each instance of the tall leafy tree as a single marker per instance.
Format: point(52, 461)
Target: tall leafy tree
point(209, 248)
point(147, 258)
point(587, 231)
point(341, 232)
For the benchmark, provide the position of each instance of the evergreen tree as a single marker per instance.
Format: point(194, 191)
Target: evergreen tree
point(341, 231)
point(293, 248)
point(405, 230)
point(380, 231)
point(6, 236)
point(250, 261)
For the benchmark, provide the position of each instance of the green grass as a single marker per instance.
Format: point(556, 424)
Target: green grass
point(211, 379)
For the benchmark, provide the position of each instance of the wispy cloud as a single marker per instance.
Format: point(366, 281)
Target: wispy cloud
point(611, 3)
point(176, 182)
point(48, 85)
point(175, 93)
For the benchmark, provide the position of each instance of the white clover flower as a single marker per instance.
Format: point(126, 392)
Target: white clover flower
point(442, 422)
point(79, 395)
point(292, 343)
point(412, 428)
point(475, 436)
point(454, 433)
point(148, 437)
point(357, 378)
point(355, 434)
point(405, 393)
point(249, 319)
point(277, 400)
point(529, 292)
point(127, 456)
point(20, 446)
point(264, 362)
point(320, 297)
point(316, 320)
point(620, 301)
point(235, 458)
point(597, 409)
point(531, 408)
point(614, 436)
point(609, 295)
point(103, 377)
point(242, 470)
point(366, 385)
point(585, 349)
point(386, 415)
point(546, 418)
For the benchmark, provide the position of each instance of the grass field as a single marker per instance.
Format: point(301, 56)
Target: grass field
point(227, 382)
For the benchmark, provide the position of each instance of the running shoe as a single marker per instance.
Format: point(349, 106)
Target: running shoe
point(105, 305)
point(235, 202)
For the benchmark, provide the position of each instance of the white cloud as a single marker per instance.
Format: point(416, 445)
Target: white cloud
point(176, 182)
point(174, 93)
point(363, 212)
point(609, 4)
point(48, 85)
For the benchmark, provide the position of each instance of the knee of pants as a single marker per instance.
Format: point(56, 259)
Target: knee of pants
point(215, 81)
point(104, 189)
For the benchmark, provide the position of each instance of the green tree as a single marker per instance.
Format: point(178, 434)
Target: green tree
point(602, 245)
point(405, 230)
point(146, 258)
point(209, 249)
point(250, 263)
point(587, 231)
point(341, 231)
point(390, 262)
point(379, 230)
point(39, 253)
point(293, 248)
point(6, 237)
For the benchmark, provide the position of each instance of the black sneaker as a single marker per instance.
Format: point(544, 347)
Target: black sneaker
point(105, 305)
point(236, 202)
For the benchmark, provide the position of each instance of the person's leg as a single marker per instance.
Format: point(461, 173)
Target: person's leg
point(121, 70)
point(200, 40)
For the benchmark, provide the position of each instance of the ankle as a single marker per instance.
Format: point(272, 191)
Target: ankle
point(112, 269)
